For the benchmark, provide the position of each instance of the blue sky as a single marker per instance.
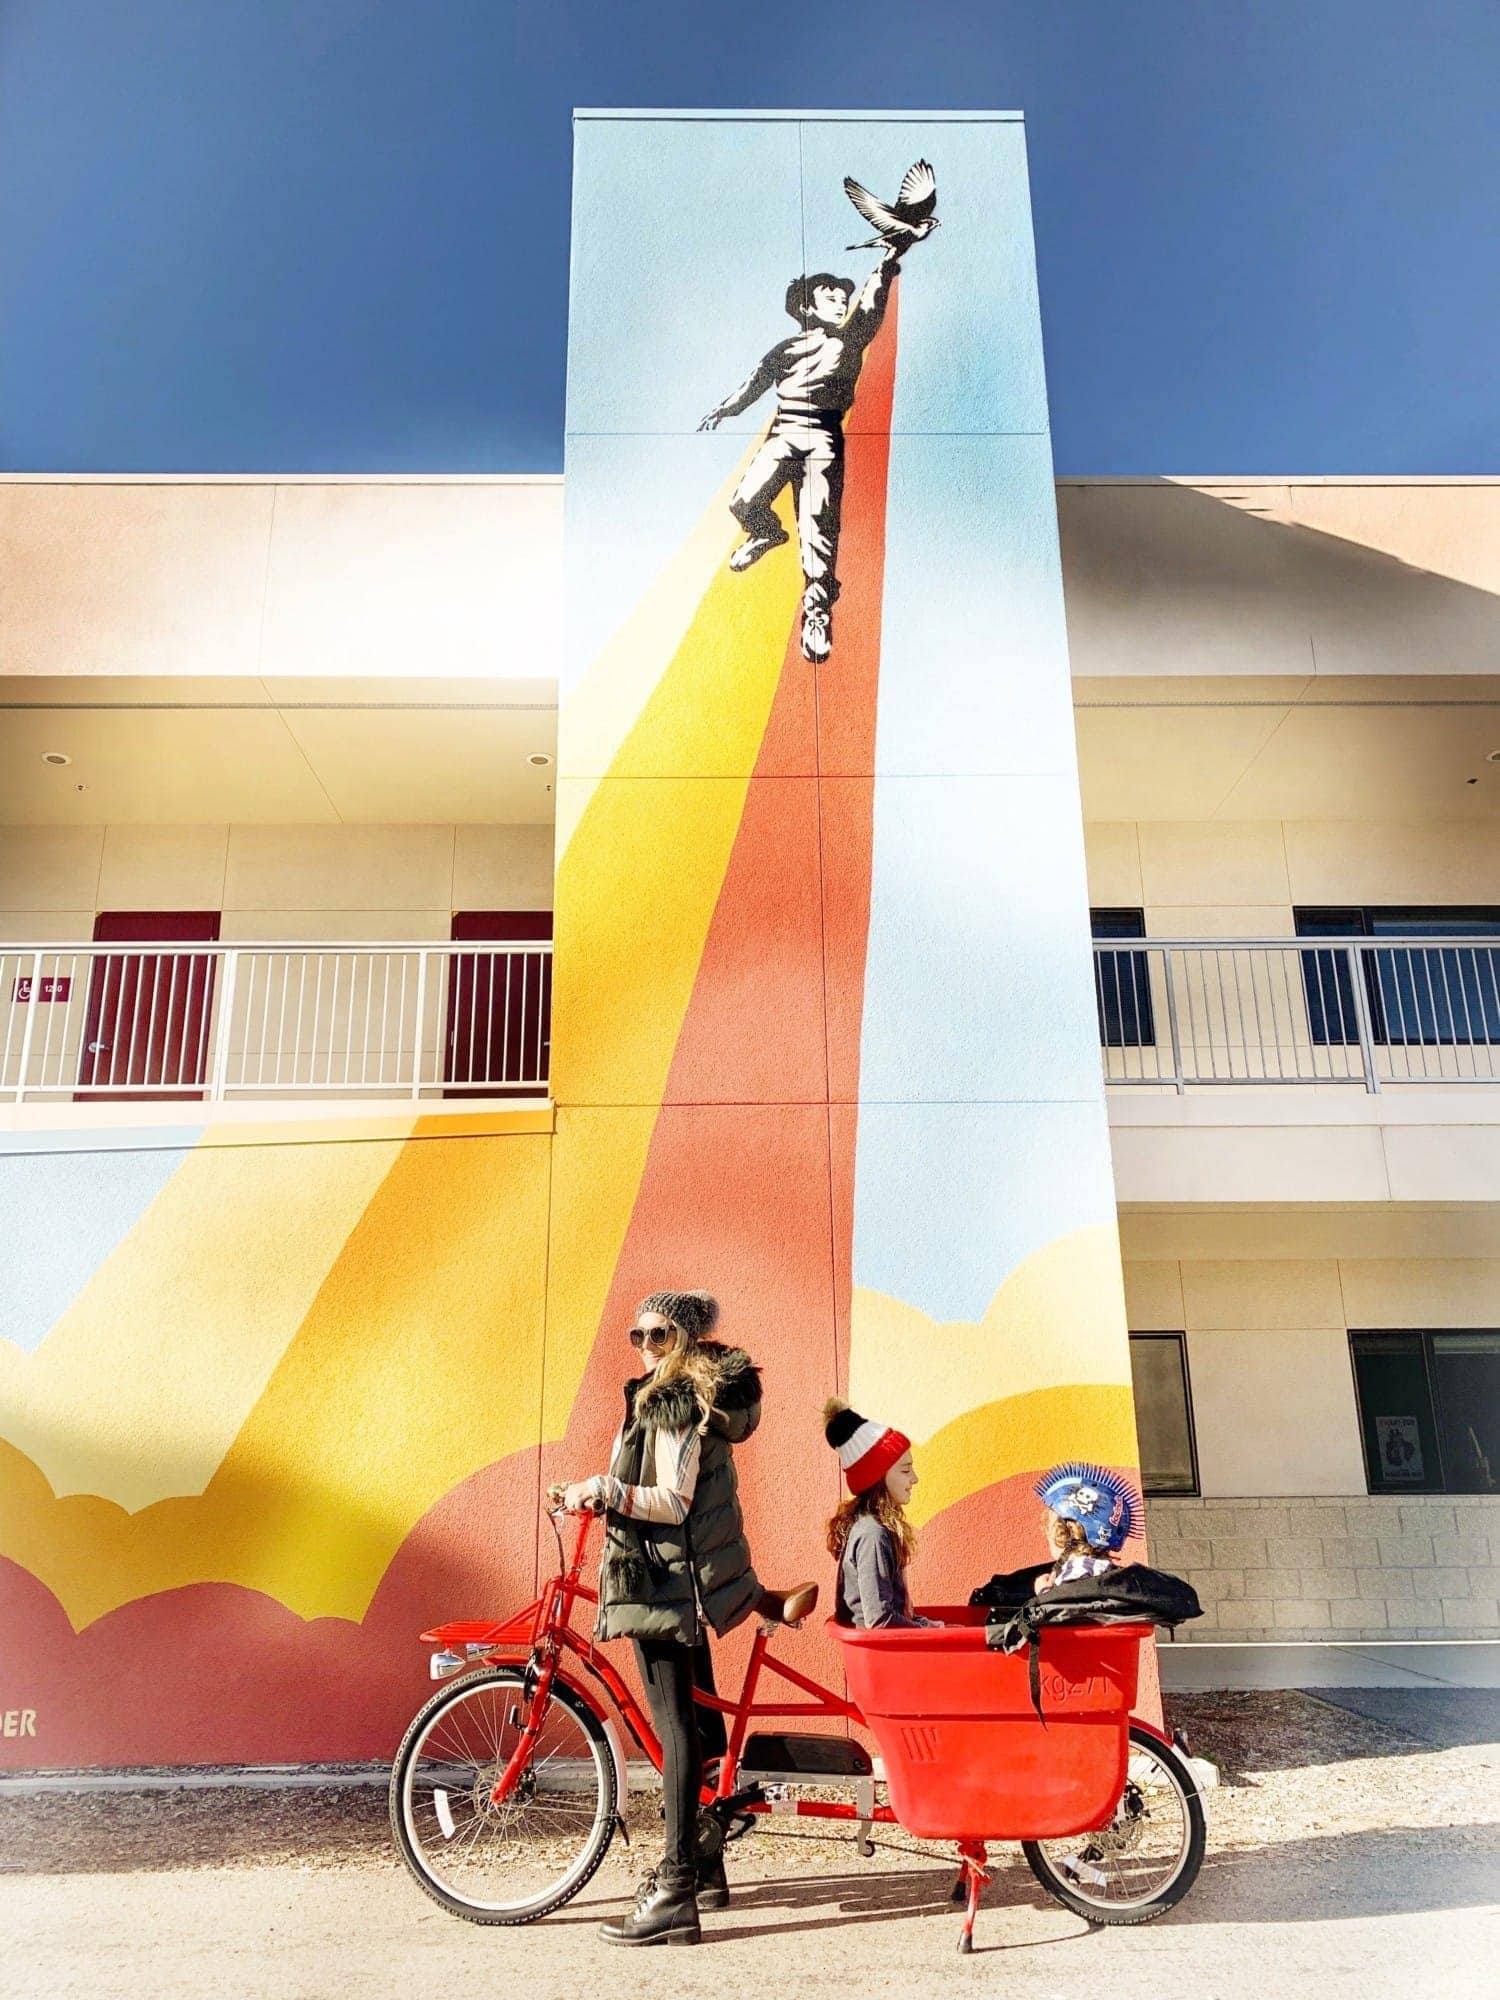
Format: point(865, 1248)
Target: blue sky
point(331, 235)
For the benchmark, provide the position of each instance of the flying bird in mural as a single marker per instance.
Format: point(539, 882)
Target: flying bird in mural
point(906, 220)
point(814, 373)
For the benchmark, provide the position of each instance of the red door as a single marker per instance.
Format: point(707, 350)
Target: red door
point(499, 1006)
point(148, 1012)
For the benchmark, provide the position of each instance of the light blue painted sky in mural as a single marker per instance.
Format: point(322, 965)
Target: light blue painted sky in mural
point(751, 206)
point(71, 1207)
point(981, 1132)
point(329, 235)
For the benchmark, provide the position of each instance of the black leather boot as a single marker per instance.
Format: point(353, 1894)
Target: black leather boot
point(713, 1883)
point(666, 1912)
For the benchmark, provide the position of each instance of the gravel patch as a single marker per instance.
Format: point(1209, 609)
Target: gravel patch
point(1293, 1769)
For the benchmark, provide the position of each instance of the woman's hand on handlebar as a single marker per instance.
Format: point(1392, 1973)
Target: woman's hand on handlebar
point(578, 1497)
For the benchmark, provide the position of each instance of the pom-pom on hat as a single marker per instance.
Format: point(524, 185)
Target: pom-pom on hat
point(1103, 1504)
point(695, 1312)
point(866, 1450)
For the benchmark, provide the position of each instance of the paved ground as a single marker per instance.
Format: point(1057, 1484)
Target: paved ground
point(1463, 1663)
point(1348, 1854)
point(1449, 1718)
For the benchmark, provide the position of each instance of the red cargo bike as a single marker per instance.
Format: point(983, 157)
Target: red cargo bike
point(511, 1781)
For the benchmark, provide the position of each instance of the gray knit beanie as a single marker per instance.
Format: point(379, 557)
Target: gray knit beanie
point(695, 1312)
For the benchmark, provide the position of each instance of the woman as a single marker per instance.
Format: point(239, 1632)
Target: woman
point(675, 1561)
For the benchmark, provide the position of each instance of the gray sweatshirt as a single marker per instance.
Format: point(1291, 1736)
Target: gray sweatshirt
point(872, 1590)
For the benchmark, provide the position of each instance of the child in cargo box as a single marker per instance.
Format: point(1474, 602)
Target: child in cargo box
point(1090, 1514)
point(870, 1537)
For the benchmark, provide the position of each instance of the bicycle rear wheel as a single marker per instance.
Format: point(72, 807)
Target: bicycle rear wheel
point(513, 1863)
point(1149, 1855)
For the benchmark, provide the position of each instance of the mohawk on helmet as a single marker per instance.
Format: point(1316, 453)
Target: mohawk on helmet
point(1103, 1504)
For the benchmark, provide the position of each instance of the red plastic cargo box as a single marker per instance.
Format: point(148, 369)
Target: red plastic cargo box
point(966, 1756)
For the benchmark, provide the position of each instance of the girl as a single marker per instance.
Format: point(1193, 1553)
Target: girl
point(675, 1559)
point(870, 1536)
point(1090, 1513)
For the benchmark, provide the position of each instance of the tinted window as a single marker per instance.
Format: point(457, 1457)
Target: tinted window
point(1429, 1410)
point(1466, 1389)
point(1122, 982)
point(1425, 997)
point(1163, 1412)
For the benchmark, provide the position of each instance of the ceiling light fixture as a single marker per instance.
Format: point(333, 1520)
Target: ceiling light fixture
point(56, 757)
point(540, 759)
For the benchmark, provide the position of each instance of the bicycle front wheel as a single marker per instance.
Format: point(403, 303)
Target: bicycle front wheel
point(1149, 1855)
point(515, 1862)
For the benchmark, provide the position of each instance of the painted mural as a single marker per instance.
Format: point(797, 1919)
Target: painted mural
point(272, 1400)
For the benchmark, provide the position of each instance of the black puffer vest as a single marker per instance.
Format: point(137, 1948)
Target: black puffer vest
point(659, 1582)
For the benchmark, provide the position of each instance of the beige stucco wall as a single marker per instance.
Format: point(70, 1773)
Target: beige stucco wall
point(345, 883)
point(1284, 1541)
point(405, 577)
point(456, 576)
point(1281, 577)
point(1227, 878)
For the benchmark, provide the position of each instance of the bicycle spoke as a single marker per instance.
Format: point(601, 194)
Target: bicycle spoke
point(548, 1830)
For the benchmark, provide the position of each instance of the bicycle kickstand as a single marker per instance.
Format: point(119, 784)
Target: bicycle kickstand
point(973, 1874)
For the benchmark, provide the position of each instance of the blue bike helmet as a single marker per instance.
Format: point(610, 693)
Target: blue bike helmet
point(1103, 1504)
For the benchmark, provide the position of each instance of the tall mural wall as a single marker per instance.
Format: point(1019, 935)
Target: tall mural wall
point(272, 1400)
point(819, 825)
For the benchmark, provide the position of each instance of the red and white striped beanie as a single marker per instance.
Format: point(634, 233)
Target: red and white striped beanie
point(866, 1450)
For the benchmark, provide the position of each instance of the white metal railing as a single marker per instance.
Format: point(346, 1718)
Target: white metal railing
point(224, 1021)
point(1370, 1011)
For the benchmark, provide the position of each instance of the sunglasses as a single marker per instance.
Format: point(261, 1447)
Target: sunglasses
point(657, 1337)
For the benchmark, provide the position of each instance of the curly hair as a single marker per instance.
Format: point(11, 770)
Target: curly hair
point(887, 1512)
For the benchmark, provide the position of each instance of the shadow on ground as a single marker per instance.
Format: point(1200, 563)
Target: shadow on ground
point(1259, 1730)
point(1398, 1871)
point(1438, 1718)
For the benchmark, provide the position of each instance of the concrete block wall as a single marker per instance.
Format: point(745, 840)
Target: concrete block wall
point(1362, 1567)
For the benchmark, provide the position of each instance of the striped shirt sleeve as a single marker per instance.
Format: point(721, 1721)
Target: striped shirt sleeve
point(668, 1500)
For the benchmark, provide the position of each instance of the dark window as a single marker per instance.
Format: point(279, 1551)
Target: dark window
point(1429, 1410)
point(499, 1041)
point(1426, 996)
point(1122, 982)
point(1163, 1413)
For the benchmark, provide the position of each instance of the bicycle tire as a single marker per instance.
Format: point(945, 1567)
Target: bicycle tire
point(606, 1818)
point(1112, 1916)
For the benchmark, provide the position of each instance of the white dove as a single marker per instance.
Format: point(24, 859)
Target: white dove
point(907, 220)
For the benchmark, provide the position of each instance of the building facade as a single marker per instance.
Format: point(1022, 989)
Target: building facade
point(311, 1287)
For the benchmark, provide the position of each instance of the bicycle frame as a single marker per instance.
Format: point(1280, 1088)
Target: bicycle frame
point(545, 1629)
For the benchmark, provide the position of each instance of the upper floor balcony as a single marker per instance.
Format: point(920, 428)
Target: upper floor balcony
point(1378, 1014)
point(155, 1019)
point(116, 1023)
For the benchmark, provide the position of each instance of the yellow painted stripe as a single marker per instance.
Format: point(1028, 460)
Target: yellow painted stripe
point(1024, 1433)
point(603, 707)
point(1058, 1318)
point(140, 1387)
point(419, 1362)
point(637, 886)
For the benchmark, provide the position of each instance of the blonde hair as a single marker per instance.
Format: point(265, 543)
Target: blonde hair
point(888, 1512)
point(1065, 1536)
point(685, 1360)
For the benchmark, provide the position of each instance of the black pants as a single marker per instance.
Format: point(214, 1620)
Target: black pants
point(669, 1671)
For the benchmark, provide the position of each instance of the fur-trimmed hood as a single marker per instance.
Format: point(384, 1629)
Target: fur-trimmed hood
point(675, 1406)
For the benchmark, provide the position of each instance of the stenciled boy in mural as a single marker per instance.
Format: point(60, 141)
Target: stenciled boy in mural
point(814, 373)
